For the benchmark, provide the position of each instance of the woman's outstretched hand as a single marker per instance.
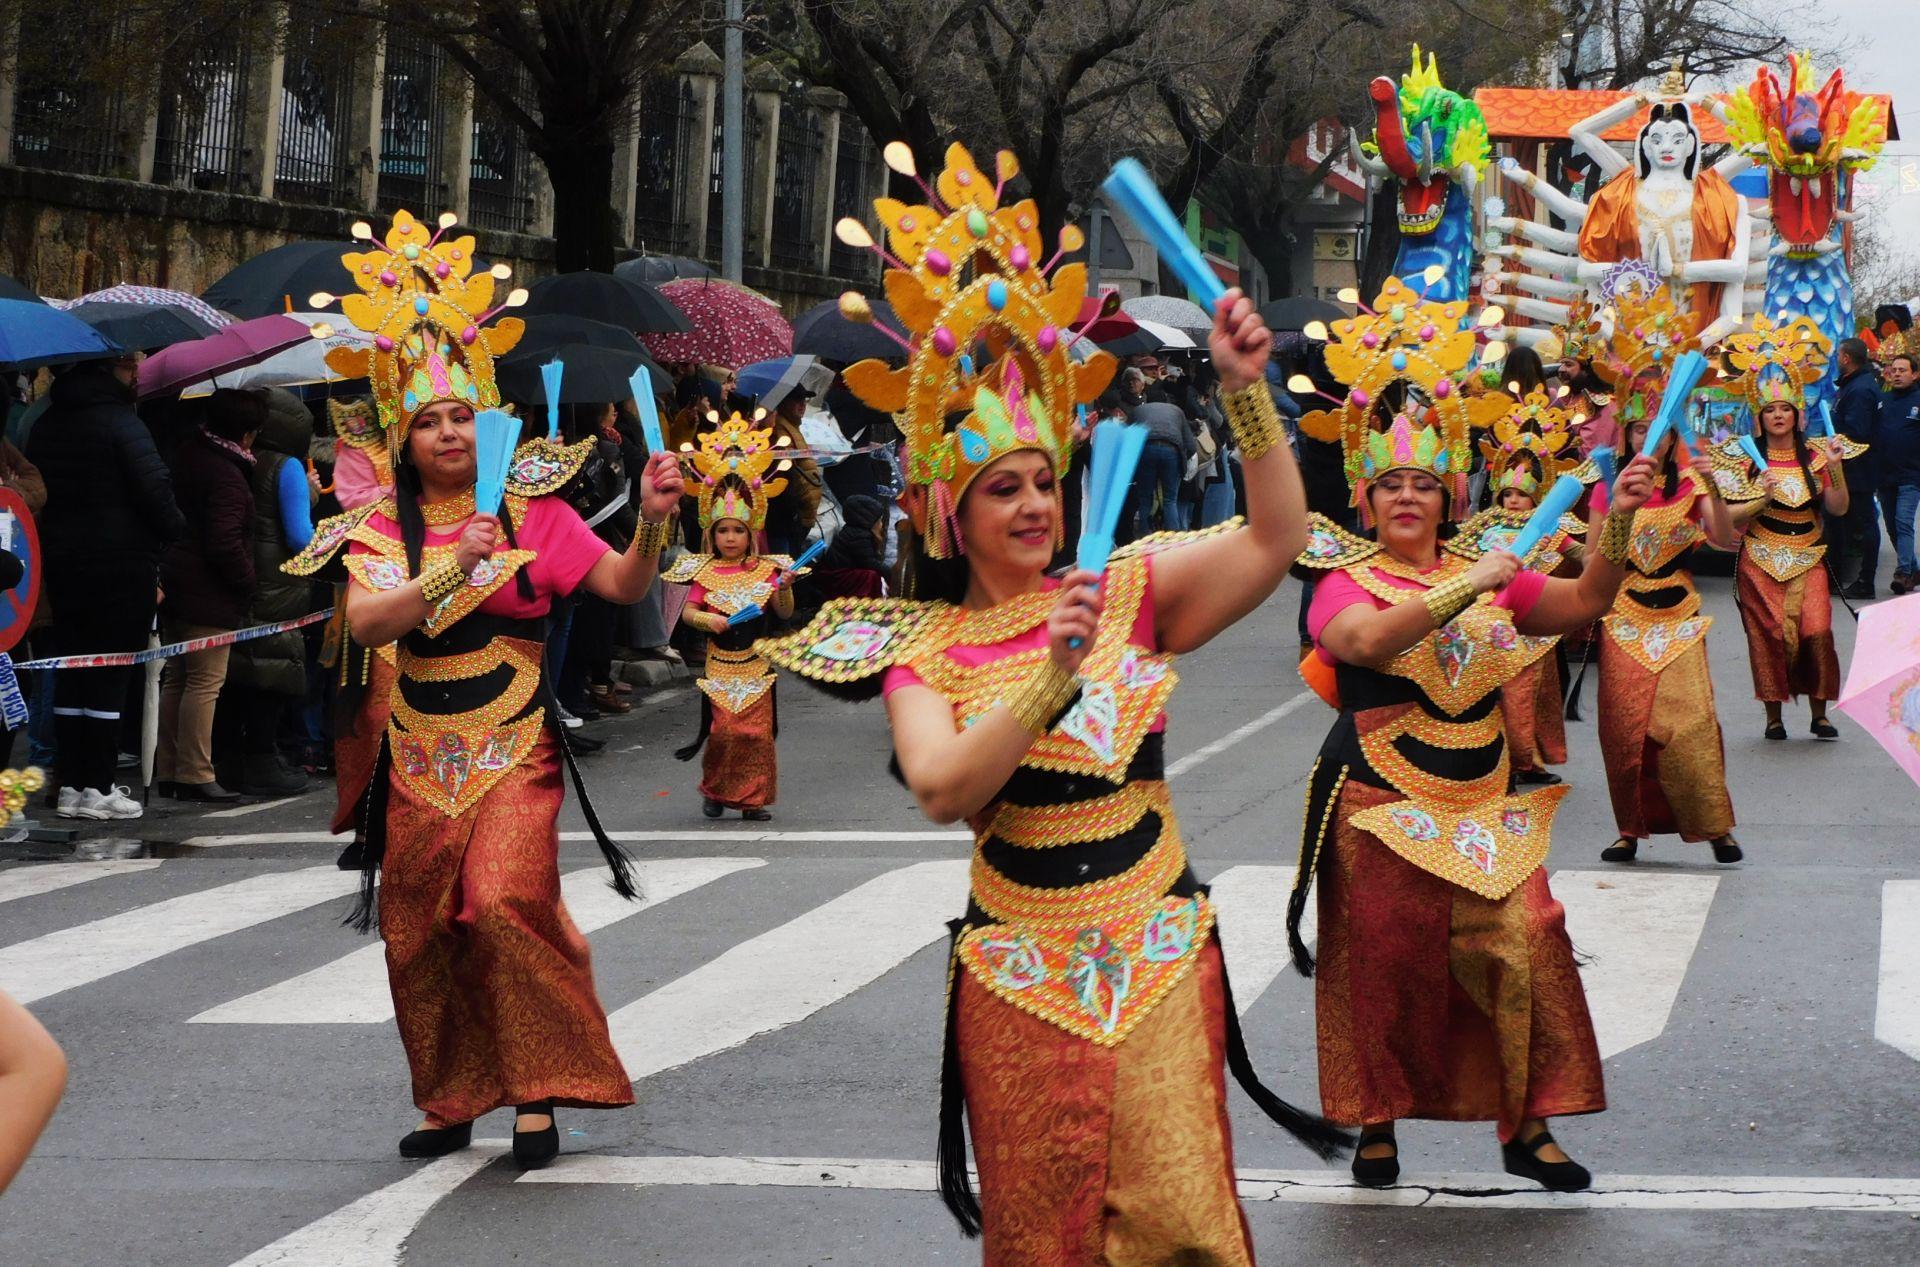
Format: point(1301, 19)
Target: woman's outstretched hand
point(1075, 619)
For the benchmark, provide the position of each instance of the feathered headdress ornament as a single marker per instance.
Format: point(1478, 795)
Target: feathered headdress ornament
point(1580, 335)
point(729, 465)
point(1649, 334)
point(1776, 362)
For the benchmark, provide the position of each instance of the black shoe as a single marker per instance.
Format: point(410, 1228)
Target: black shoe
point(209, 792)
point(711, 808)
point(1775, 730)
point(166, 788)
point(1900, 583)
point(1376, 1172)
point(532, 1150)
point(582, 745)
point(1543, 778)
point(757, 815)
point(437, 1143)
point(1824, 729)
point(352, 856)
point(270, 776)
point(1726, 849)
point(1621, 850)
point(1859, 592)
point(1555, 1176)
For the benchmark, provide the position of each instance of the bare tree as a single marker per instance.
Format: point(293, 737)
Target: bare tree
point(1622, 43)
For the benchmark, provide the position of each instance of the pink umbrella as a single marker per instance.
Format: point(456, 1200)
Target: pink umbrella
point(732, 326)
point(152, 297)
point(1883, 680)
point(240, 344)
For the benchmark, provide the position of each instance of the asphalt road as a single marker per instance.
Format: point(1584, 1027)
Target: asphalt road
point(238, 1086)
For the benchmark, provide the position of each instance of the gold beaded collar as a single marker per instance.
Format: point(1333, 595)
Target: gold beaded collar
point(453, 510)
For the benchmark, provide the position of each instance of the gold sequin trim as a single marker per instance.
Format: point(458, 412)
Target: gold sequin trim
point(1079, 822)
point(1067, 910)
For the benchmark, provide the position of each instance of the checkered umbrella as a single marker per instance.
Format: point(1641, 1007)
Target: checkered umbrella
point(153, 297)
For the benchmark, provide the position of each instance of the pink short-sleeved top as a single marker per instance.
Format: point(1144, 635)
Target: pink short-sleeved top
point(565, 550)
point(1601, 497)
point(1141, 635)
point(1336, 591)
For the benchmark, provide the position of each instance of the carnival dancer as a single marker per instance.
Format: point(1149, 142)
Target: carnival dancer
point(1446, 984)
point(1659, 733)
point(492, 983)
point(1089, 1013)
point(733, 584)
point(1782, 578)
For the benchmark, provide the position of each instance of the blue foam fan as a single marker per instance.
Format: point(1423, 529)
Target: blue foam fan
point(1608, 465)
point(752, 611)
point(1133, 193)
point(641, 385)
point(1116, 455)
point(1688, 368)
point(1752, 450)
point(1546, 516)
point(550, 375)
point(496, 433)
point(1825, 420)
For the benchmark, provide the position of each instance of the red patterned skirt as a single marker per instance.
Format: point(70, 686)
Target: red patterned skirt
point(1660, 738)
point(1789, 633)
point(1530, 709)
point(738, 767)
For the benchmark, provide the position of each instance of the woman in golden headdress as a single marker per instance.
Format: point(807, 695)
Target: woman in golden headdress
point(733, 587)
point(1446, 986)
point(1786, 603)
point(1089, 1016)
point(1659, 733)
point(492, 983)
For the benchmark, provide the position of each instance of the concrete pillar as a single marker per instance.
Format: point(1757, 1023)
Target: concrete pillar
point(763, 98)
point(542, 190)
point(454, 162)
point(369, 91)
point(260, 129)
point(829, 104)
point(626, 164)
point(9, 83)
point(701, 66)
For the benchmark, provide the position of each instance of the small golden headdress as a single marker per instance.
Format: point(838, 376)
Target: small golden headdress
point(1530, 445)
point(1649, 335)
point(1776, 362)
point(1580, 336)
point(729, 466)
point(989, 333)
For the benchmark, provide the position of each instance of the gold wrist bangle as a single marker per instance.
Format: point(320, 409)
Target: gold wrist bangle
point(1255, 422)
point(1448, 599)
point(650, 538)
point(440, 582)
point(1040, 696)
point(1616, 535)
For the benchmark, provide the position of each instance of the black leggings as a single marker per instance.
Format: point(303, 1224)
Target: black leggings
point(99, 605)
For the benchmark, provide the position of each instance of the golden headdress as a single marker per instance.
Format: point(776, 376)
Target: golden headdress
point(1776, 362)
point(1580, 336)
point(729, 466)
point(1649, 335)
point(1404, 364)
point(1530, 445)
point(988, 333)
point(423, 315)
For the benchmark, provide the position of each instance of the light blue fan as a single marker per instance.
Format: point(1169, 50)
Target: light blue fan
point(1131, 190)
point(1752, 450)
point(1688, 369)
point(551, 375)
point(1546, 516)
point(496, 433)
point(641, 385)
point(1116, 455)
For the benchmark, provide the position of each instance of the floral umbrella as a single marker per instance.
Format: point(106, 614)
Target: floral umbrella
point(732, 326)
point(1883, 680)
point(153, 297)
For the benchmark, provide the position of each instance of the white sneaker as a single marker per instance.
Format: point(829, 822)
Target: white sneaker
point(570, 721)
point(78, 803)
point(116, 803)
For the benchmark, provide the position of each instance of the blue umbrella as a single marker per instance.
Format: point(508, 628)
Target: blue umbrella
point(770, 382)
point(36, 334)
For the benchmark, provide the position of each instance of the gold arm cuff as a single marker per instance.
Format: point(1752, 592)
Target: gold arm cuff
point(1448, 599)
point(1255, 422)
point(1041, 695)
point(1837, 474)
point(440, 582)
point(1616, 535)
point(649, 539)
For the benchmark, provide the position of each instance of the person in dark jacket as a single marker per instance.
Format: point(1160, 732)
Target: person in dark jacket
point(854, 566)
point(208, 580)
point(267, 676)
point(1856, 415)
point(602, 493)
point(110, 512)
point(1898, 451)
point(1163, 464)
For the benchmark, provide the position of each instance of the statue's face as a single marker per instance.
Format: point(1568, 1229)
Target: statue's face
point(1668, 144)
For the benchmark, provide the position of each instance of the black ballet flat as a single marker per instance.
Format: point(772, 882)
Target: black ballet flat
point(1622, 850)
point(1543, 778)
point(1376, 1172)
point(437, 1142)
point(1776, 730)
point(532, 1150)
point(1726, 849)
point(1824, 729)
point(1555, 1176)
point(757, 815)
point(711, 808)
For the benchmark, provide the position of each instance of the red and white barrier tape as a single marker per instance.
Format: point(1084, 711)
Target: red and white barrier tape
point(121, 659)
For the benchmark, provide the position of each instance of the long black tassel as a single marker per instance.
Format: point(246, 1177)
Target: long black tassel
point(1323, 790)
point(955, 1184)
point(692, 750)
point(1325, 1139)
point(618, 860)
point(1586, 658)
point(373, 848)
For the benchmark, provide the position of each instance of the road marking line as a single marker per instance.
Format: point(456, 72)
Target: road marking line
point(1319, 1187)
point(71, 957)
point(373, 1231)
point(352, 990)
point(1896, 1013)
point(1237, 735)
point(241, 811)
point(1252, 903)
point(1640, 931)
point(748, 835)
point(788, 973)
point(33, 879)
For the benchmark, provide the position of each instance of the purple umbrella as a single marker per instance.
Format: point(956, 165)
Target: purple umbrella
point(241, 344)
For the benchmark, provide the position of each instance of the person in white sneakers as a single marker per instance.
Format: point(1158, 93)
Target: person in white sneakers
point(89, 802)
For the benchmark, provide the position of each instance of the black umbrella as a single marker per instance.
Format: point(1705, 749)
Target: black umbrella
point(147, 327)
point(593, 375)
point(550, 331)
point(821, 331)
point(11, 289)
point(617, 301)
point(1134, 343)
point(281, 280)
point(656, 270)
point(1294, 312)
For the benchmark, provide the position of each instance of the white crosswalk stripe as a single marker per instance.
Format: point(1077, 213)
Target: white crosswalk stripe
point(32, 881)
point(352, 990)
point(1896, 1013)
point(1638, 931)
point(1252, 904)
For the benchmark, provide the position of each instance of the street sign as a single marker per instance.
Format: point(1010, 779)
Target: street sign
point(20, 538)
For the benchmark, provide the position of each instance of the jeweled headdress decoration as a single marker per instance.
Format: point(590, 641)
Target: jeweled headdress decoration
point(1404, 363)
point(1776, 361)
point(1530, 445)
point(988, 332)
point(423, 317)
point(1580, 335)
point(1649, 334)
point(730, 464)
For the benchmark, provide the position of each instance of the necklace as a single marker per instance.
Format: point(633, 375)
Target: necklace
point(451, 511)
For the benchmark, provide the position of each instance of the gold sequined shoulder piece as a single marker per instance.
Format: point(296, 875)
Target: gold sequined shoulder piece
point(329, 535)
point(1160, 542)
point(541, 466)
point(854, 638)
point(685, 568)
point(1495, 529)
point(1733, 473)
point(1331, 547)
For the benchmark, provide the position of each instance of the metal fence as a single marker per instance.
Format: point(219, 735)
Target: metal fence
point(413, 125)
point(748, 181)
point(796, 174)
point(669, 118)
point(200, 136)
point(500, 179)
point(316, 155)
point(853, 196)
point(61, 123)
